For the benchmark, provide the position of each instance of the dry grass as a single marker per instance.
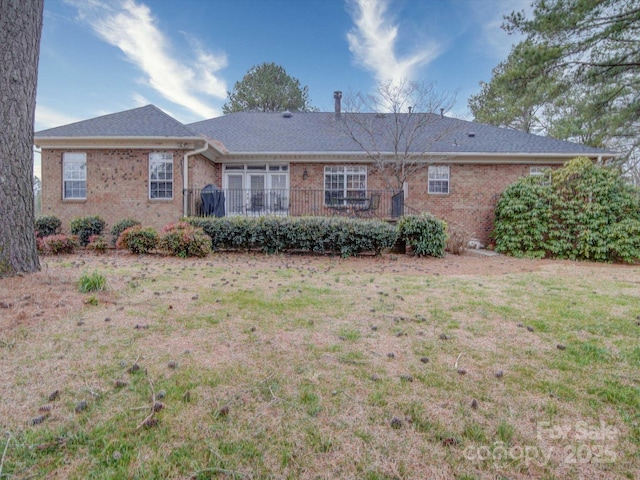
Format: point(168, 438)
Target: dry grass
point(302, 367)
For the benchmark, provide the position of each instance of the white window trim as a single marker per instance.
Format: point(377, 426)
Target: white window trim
point(363, 170)
point(69, 158)
point(161, 157)
point(539, 171)
point(438, 169)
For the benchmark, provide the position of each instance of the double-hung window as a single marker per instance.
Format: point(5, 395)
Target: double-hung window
point(74, 176)
point(161, 176)
point(541, 172)
point(344, 184)
point(439, 179)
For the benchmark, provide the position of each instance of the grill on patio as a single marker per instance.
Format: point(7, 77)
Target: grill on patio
point(382, 204)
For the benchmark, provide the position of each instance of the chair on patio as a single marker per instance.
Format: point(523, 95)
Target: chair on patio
point(370, 207)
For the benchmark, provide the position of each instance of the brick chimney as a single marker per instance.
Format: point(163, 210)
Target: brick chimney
point(337, 96)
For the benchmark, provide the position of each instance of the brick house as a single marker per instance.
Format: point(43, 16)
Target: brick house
point(144, 164)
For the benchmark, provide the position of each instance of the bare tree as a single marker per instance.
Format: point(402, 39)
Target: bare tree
point(398, 127)
point(20, 29)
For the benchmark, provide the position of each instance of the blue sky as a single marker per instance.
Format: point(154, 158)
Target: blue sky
point(104, 56)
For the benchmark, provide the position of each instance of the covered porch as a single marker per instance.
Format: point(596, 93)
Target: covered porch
point(214, 201)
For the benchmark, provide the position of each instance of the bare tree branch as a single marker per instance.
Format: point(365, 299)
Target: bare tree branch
point(398, 126)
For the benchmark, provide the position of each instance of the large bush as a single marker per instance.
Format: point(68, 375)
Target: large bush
point(184, 240)
point(425, 234)
point(120, 226)
point(48, 225)
point(273, 234)
point(85, 227)
point(586, 211)
point(138, 240)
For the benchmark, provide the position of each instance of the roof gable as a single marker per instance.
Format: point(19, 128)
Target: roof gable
point(147, 121)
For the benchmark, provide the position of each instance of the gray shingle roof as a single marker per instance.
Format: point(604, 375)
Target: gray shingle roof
point(315, 132)
point(259, 132)
point(148, 121)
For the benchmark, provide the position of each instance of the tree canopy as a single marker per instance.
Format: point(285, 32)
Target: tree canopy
point(575, 76)
point(268, 88)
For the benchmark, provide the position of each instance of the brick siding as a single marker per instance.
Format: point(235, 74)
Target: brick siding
point(117, 187)
point(118, 183)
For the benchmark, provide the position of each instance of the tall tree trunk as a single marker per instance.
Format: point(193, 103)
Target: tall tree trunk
point(20, 29)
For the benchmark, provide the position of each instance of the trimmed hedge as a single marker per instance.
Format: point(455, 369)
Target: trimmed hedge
point(585, 212)
point(120, 226)
point(424, 233)
point(85, 227)
point(138, 240)
point(57, 244)
point(184, 240)
point(48, 225)
point(271, 234)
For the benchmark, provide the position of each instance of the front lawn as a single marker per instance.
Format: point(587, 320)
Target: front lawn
point(320, 367)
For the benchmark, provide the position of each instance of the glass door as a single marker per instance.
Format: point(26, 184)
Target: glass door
point(235, 193)
point(257, 201)
point(278, 193)
point(256, 189)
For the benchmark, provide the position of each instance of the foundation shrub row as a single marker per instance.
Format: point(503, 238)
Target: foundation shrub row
point(333, 235)
point(197, 237)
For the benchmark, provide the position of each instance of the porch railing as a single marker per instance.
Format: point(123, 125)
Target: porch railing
point(383, 204)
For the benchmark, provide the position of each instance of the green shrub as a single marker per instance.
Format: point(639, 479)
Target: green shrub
point(184, 240)
point(585, 212)
point(273, 234)
point(523, 207)
point(47, 225)
point(120, 226)
point(84, 227)
point(138, 240)
point(625, 240)
point(97, 243)
point(57, 244)
point(92, 282)
point(425, 234)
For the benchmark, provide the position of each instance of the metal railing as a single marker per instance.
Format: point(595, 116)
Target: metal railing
point(383, 204)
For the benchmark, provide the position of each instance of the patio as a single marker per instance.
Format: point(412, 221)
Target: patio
point(208, 201)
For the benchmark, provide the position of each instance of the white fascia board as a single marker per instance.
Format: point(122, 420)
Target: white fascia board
point(111, 142)
point(443, 157)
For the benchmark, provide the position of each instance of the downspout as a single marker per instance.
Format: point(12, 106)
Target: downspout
point(185, 176)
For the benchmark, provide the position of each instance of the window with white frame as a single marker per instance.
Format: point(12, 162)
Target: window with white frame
point(74, 176)
point(161, 176)
point(545, 172)
point(438, 178)
point(344, 184)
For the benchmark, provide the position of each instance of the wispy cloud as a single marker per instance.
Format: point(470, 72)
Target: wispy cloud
point(494, 39)
point(131, 27)
point(49, 118)
point(373, 42)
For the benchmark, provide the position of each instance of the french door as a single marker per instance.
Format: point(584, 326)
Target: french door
point(256, 189)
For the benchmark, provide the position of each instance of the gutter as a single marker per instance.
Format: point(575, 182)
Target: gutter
point(97, 142)
point(185, 175)
point(38, 140)
point(433, 154)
